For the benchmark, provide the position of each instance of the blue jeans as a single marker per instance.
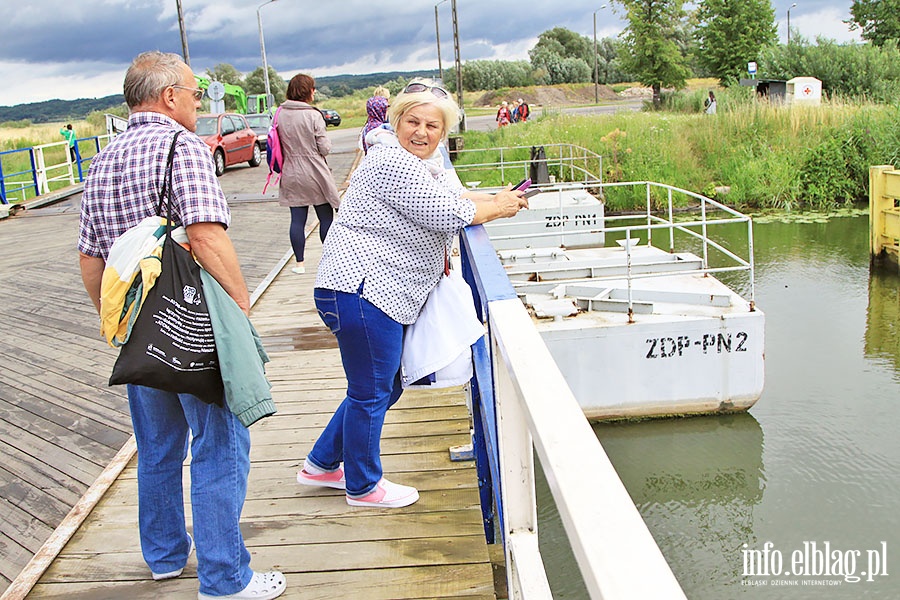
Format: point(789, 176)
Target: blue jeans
point(297, 231)
point(220, 464)
point(370, 344)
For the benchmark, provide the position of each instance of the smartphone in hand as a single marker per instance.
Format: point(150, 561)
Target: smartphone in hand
point(523, 185)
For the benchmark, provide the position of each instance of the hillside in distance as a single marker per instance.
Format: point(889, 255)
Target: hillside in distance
point(50, 111)
point(350, 83)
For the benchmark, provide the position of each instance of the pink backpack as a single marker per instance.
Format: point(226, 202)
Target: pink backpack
point(273, 152)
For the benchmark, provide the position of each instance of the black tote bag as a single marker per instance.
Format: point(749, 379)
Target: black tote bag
point(171, 346)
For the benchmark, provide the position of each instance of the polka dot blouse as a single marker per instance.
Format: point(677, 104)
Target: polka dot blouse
point(392, 229)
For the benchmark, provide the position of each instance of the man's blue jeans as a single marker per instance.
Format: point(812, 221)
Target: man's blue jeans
point(370, 344)
point(220, 464)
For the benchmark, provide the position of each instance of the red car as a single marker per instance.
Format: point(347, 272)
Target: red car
point(230, 139)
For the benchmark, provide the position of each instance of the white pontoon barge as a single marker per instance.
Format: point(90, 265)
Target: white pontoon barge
point(638, 328)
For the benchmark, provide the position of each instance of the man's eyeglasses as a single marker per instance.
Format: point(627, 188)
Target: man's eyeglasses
point(198, 93)
point(415, 88)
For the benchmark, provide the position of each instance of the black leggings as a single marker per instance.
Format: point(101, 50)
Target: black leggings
point(298, 226)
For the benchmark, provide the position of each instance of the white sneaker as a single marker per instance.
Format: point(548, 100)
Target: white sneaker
point(299, 270)
point(263, 586)
point(386, 495)
point(176, 572)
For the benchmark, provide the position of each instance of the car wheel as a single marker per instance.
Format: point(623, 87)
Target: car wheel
point(219, 157)
point(257, 156)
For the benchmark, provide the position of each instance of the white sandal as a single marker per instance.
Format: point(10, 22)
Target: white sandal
point(263, 586)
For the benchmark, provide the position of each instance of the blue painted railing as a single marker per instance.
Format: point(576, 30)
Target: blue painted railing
point(36, 180)
point(485, 275)
point(522, 409)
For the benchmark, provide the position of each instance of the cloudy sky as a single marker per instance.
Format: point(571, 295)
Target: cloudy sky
point(81, 48)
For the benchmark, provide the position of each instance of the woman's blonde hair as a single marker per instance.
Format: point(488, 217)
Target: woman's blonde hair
point(406, 101)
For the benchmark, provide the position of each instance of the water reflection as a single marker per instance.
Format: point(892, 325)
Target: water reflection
point(696, 482)
point(883, 317)
point(819, 457)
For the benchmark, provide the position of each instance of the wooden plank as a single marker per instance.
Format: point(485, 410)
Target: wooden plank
point(278, 432)
point(25, 505)
point(279, 483)
point(440, 581)
point(43, 476)
point(339, 556)
point(81, 470)
point(20, 525)
point(16, 401)
point(13, 556)
point(77, 439)
point(94, 403)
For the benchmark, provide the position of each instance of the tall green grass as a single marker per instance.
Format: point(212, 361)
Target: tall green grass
point(749, 155)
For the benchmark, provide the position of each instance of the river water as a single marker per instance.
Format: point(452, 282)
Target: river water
point(811, 475)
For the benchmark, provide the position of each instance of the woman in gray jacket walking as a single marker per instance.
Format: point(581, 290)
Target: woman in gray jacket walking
point(306, 179)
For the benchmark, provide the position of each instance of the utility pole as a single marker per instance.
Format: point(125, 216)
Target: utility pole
point(459, 88)
point(184, 44)
point(596, 75)
point(437, 34)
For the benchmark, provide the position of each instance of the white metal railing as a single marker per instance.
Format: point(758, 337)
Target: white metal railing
point(700, 228)
point(616, 554)
point(573, 163)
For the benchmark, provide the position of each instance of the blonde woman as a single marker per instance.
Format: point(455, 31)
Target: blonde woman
point(384, 254)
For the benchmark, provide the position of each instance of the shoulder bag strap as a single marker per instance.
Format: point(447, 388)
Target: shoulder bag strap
point(167, 182)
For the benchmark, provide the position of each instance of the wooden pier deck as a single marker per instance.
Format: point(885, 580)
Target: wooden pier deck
point(62, 425)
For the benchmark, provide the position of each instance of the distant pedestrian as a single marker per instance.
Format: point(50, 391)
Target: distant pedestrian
point(69, 133)
point(376, 111)
point(306, 179)
point(524, 111)
point(710, 103)
point(503, 114)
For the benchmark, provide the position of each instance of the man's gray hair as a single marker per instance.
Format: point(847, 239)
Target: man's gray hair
point(149, 74)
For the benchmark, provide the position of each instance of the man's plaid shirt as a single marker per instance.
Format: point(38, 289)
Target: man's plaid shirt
point(126, 178)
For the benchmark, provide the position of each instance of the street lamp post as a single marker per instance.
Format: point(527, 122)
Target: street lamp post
point(789, 22)
point(596, 77)
point(437, 34)
point(262, 48)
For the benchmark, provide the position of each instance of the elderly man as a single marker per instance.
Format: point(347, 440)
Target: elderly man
point(121, 189)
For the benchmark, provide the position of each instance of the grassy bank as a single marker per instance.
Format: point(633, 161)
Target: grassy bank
point(34, 135)
point(749, 155)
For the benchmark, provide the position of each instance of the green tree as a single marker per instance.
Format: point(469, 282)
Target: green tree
point(562, 56)
point(879, 20)
point(609, 62)
point(653, 55)
point(493, 74)
point(566, 43)
point(225, 73)
point(255, 83)
point(729, 34)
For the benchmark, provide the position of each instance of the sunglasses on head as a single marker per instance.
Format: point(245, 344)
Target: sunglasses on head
point(415, 88)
